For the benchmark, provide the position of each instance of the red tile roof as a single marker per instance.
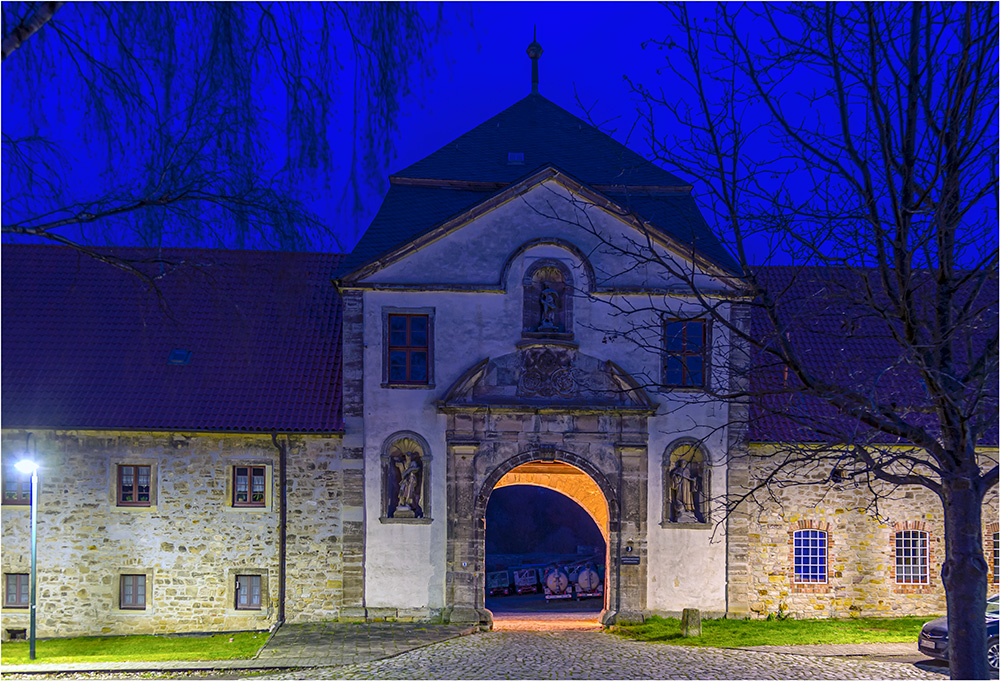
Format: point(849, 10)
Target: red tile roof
point(843, 341)
point(86, 345)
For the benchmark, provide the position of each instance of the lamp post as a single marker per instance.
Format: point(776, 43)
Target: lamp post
point(28, 466)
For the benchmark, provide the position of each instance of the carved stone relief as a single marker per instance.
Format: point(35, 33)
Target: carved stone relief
point(546, 372)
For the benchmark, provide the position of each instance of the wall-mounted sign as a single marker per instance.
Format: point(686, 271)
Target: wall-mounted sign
point(630, 560)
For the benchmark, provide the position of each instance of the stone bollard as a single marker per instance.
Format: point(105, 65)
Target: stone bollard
point(691, 622)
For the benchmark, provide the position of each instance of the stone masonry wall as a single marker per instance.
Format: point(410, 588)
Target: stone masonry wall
point(315, 528)
point(861, 560)
point(190, 543)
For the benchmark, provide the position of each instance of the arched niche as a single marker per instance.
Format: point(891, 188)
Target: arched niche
point(587, 281)
point(548, 300)
point(405, 478)
point(686, 474)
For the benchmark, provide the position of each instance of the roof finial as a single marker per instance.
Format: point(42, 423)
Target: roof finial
point(534, 51)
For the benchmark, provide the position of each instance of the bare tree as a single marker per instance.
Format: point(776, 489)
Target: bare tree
point(848, 156)
point(198, 123)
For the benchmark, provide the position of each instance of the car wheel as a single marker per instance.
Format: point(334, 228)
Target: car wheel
point(992, 654)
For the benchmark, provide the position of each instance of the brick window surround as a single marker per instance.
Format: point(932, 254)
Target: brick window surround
point(16, 487)
point(135, 484)
point(16, 592)
point(991, 533)
point(685, 353)
point(132, 592)
point(816, 533)
point(906, 536)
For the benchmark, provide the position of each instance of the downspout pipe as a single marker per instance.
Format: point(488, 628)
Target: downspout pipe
point(282, 520)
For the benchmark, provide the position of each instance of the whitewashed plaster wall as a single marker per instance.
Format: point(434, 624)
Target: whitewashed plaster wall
point(405, 563)
point(687, 564)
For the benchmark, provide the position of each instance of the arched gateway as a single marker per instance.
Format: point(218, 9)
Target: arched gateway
point(563, 472)
point(597, 425)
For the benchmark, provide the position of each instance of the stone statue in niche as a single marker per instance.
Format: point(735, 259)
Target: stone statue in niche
point(549, 299)
point(687, 490)
point(409, 485)
point(547, 308)
point(405, 480)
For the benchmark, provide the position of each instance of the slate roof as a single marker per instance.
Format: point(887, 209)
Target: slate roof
point(85, 345)
point(843, 341)
point(678, 216)
point(406, 213)
point(547, 135)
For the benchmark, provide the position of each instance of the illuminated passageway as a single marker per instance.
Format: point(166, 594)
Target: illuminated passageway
point(544, 514)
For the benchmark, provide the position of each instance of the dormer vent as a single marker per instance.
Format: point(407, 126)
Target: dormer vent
point(179, 356)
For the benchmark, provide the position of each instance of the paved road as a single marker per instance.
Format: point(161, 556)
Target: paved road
point(596, 655)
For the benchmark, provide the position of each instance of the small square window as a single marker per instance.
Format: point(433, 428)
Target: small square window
point(685, 357)
point(16, 590)
point(249, 486)
point(133, 592)
point(134, 485)
point(248, 592)
point(810, 556)
point(16, 487)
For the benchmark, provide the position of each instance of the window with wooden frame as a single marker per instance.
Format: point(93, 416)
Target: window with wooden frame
point(809, 556)
point(16, 487)
point(685, 356)
point(249, 486)
point(134, 484)
point(408, 349)
point(911, 557)
point(248, 592)
point(16, 590)
point(132, 592)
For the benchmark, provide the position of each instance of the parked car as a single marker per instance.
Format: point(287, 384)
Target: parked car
point(933, 639)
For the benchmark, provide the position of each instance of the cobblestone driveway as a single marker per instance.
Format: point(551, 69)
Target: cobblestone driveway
point(597, 655)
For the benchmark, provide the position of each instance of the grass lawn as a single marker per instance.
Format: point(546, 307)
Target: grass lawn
point(723, 633)
point(139, 648)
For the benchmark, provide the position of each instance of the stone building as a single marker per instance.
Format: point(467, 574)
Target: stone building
point(246, 438)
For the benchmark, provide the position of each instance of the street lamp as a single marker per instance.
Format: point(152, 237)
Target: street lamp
point(27, 466)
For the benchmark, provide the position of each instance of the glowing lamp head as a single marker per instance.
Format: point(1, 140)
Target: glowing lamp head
point(26, 466)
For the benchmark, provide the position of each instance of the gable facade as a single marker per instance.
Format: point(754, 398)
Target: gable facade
point(503, 393)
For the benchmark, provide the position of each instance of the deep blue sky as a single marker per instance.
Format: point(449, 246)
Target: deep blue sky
point(478, 67)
